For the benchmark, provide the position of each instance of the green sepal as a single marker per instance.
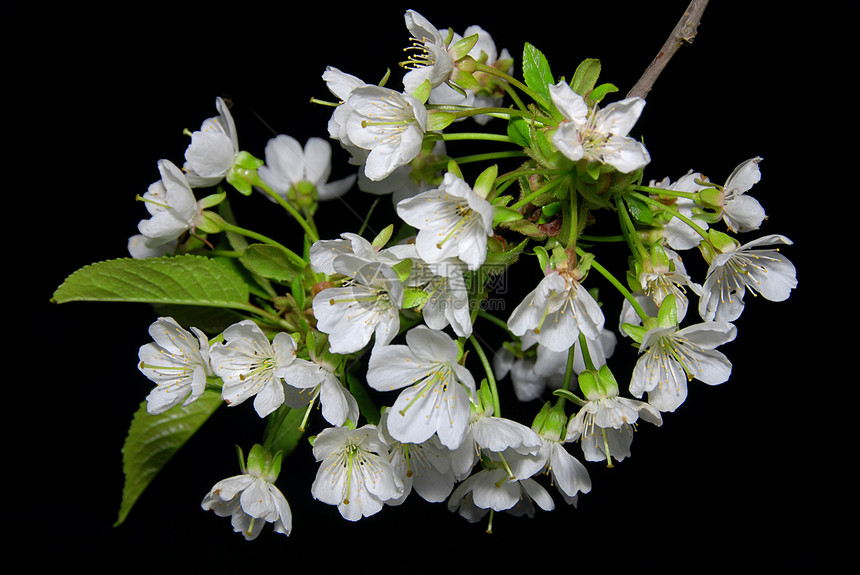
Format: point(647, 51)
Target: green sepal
point(422, 92)
point(485, 181)
point(212, 200)
point(503, 215)
point(667, 316)
point(722, 242)
point(403, 269)
point(543, 257)
point(414, 298)
point(382, 237)
point(462, 47)
point(210, 222)
point(711, 197)
point(636, 332)
point(438, 120)
point(639, 210)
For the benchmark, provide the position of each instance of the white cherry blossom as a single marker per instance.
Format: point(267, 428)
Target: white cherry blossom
point(336, 402)
point(557, 311)
point(452, 221)
point(388, 124)
point(764, 271)
point(670, 357)
point(598, 135)
point(213, 149)
point(355, 473)
point(172, 206)
point(439, 391)
point(742, 213)
point(678, 233)
point(431, 60)
point(367, 305)
point(177, 362)
point(288, 165)
point(251, 499)
point(252, 366)
point(604, 424)
point(422, 467)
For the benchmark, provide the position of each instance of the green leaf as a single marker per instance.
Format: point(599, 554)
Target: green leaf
point(600, 92)
point(287, 436)
point(519, 132)
point(585, 77)
point(186, 280)
point(270, 262)
point(536, 71)
point(639, 210)
point(153, 439)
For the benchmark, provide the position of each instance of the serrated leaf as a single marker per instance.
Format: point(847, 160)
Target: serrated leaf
point(185, 280)
point(519, 132)
point(271, 262)
point(154, 439)
point(536, 71)
point(585, 77)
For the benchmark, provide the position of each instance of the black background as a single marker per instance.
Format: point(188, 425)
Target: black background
point(742, 475)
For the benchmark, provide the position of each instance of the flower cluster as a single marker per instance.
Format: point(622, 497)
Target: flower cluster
point(380, 332)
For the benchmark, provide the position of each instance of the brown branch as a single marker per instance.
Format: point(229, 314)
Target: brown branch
point(684, 33)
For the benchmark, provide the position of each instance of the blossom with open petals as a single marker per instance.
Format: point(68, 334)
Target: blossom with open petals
point(178, 363)
point(431, 60)
point(251, 499)
point(252, 366)
point(557, 311)
point(289, 165)
point(678, 233)
point(598, 135)
point(367, 305)
point(439, 391)
point(604, 424)
point(452, 221)
point(172, 206)
point(355, 472)
point(670, 357)
point(388, 124)
point(422, 467)
point(741, 267)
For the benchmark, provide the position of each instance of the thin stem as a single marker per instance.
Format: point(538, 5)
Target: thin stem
point(308, 228)
point(228, 227)
point(514, 82)
point(491, 380)
point(617, 284)
point(665, 192)
point(632, 239)
point(683, 33)
point(675, 213)
point(477, 136)
point(532, 195)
